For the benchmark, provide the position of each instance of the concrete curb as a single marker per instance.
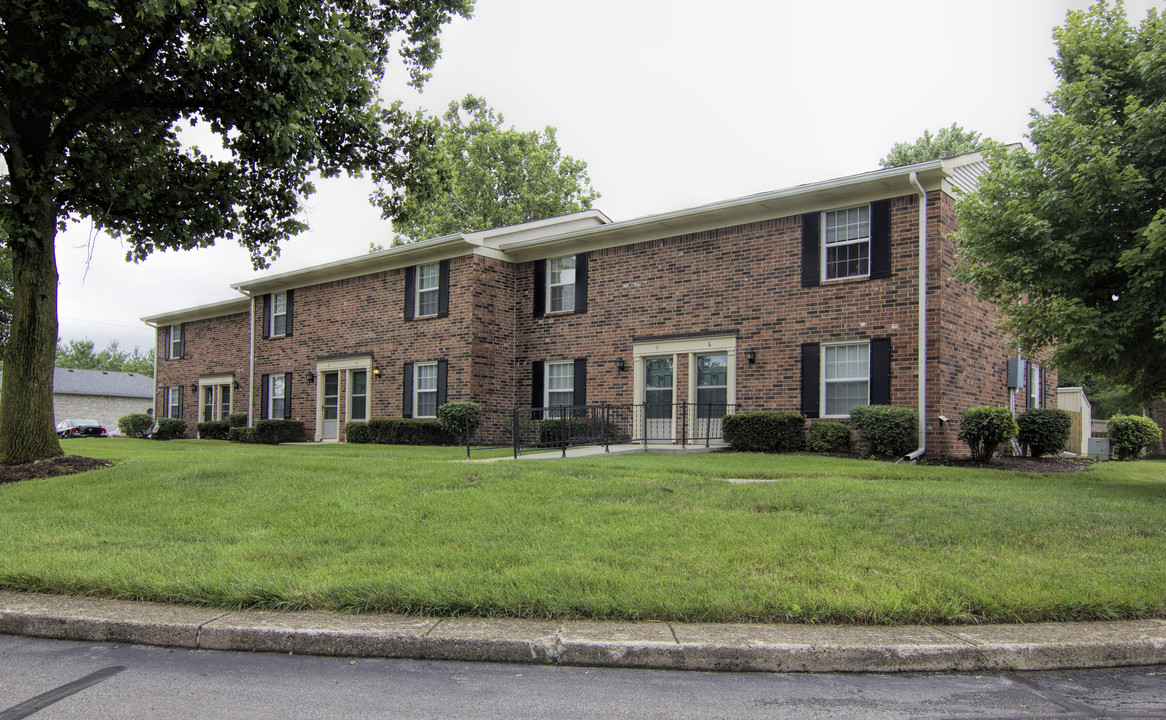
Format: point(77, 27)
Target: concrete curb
point(679, 646)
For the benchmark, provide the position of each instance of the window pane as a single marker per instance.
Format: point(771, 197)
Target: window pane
point(331, 383)
point(280, 300)
point(358, 407)
point(561, 284)
point(712, 370)
point(428, 277)
point(427, 377)
point(561, 376)
point(659, 373)
point(224, 401)
point(277, 386)
point(426, 404)
point(841, 396)
point(359, 382)
point(711, 402)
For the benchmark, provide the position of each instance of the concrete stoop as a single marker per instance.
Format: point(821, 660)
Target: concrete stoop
point(681, 646)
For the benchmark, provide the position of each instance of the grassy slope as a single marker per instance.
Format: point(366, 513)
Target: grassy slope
point(368, 528)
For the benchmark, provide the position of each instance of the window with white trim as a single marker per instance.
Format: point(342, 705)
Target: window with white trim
point(279, 315)
point(845, 378)
point(175, 341)
point(561, 284)
point(276, 396)
point(174, 402)
point(358, 395)
point(428, 289)
point(560, 384)
point(846, 243)
point(425, 390)
point(1034, 386)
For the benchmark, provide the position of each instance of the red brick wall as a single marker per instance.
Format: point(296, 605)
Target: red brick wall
point(210, 347)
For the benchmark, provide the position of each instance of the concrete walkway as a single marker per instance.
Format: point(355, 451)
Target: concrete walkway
point(737, 647)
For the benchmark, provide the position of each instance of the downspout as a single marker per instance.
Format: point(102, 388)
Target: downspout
point(251, 367)
point(922, 318)
point(155, 402)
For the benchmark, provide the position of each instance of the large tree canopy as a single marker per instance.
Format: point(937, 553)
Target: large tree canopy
point(92, 97)
point(948, 142)
point(489, 176)
point(1070, 239)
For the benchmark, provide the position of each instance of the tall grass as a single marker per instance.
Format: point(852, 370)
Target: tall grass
point(415, 530)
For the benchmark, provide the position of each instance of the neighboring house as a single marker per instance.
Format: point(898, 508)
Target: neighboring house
point(805, 299)
point(100, 395)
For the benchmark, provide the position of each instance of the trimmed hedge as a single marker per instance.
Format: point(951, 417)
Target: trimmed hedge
point(579, 430)
point(274, 432)
point(984, 428)
point(238, 419)
point(455, 416)
point(1129, 435)
point(1044, 431)
point(168, 429)
point(885, 430)
point(765, 431)
point(242, 435)
point(213, 430)
point(135, 425)
point(398, 431)
point(828, 437)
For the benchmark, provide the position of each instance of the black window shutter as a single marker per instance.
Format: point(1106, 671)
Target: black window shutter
point(880, 239)
point(287, 395)
point(407, 395)
point(267, 317)
point(443, 292)
point(182, 339)
point(180, 402)
point(581, 283)
point(540, 291)
point(580, 398)
point(536, 384)
point(880, 371)
point(442, 376)
point(288, 327)
point(410, 290)
point(811, 249)
point(168, 351)
point(165, 402)
point(264, 394)
point(811, 398)
point(1042, 387)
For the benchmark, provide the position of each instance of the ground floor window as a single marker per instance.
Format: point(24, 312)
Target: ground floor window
point(277, 396)
point(425, 390)
point(845, 378)
point(560, 384)
point(173, 407)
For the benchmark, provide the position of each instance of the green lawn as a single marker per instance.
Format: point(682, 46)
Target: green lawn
point(416, 530)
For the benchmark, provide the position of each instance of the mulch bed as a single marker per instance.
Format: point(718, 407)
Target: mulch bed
point(51, 467)
point(1020, 464)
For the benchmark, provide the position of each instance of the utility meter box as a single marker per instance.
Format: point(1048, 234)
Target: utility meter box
point(1015, 374)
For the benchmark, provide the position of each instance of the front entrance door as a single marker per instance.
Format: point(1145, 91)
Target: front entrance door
point(658, 399)
point(712, 382)
point(331, 423)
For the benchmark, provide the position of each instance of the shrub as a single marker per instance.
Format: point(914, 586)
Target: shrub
point(984, 428)
point(456, 416)
point(766, 431)
point(579, 431)
point(1044, 431)
point(1130, 434)
point(213, 430)
point(399, 431)
point(885, 430)
point(274, 432)
point(828, 437)
point(238, 419)
point(135, 425)
point(242, 435)
point(168, 429)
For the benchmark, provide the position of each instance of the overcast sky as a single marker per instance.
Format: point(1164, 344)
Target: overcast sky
point(671, 103)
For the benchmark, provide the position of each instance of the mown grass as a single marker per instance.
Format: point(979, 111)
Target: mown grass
point(414, 530)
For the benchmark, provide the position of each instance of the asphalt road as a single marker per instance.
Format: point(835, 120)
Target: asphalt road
point(57, 679)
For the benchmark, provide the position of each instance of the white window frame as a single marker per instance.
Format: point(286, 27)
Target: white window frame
point(217, 383)
point(552, 284)
point(823, 382)
point(1034, 386)
point(275, 298)
point(548, 390)
point(174, 401)
point(859, 240)
point(352, 394)
point(418, 391)
point(427, 291)
point(174, 341)
point(272, 397)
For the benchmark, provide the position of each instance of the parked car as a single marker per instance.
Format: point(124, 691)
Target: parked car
point(80, 428)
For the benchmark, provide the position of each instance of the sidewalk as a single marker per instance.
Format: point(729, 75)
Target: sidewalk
point(680, 646)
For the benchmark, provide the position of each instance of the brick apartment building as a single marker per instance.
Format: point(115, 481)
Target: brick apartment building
point(804, 299)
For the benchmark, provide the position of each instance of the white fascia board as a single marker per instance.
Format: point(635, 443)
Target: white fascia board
point(202, 312)
point(839, 192)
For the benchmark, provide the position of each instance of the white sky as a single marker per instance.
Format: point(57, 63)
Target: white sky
point(671, 103)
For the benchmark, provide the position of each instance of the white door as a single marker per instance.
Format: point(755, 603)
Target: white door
point(712, 392)
point(658, 399)
point(331, 423)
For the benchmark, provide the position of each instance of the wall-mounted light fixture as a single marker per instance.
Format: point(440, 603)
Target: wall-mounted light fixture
point(194, 387)
point(311, 377)
point(620, 364)
point(751, 355)
point(376, 373)
point(238, 385)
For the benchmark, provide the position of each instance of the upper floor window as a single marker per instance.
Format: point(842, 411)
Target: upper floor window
point(279, 314)
point(561, 284)
point(846, 243)
point(175, 341)
point(428, 289)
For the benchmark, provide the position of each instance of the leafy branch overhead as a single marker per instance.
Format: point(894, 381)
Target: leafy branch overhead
point(1069, 239)
point(485, 176)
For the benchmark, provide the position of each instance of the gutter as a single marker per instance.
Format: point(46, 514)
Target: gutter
point(922, 393)
point(251, 366)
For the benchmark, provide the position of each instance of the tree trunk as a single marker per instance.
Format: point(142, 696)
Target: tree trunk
point(27, 430)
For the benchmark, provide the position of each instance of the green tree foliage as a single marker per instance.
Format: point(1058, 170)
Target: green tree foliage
point(489, 176)
point(82, 355)
point(1105, 398)
point(948, 142)
point(93, 95)
point(1069, 240)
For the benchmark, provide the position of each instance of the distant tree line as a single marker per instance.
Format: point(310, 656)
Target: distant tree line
point(82, 355)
